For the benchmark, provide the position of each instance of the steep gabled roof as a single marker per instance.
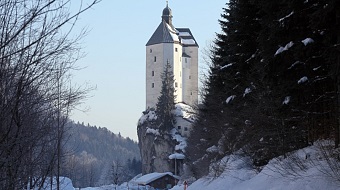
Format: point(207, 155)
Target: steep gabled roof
point(167, 34)
point(163, 34)
point(187, 39)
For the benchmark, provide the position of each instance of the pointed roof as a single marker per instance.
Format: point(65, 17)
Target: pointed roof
point(163, 34)
point(167, 33)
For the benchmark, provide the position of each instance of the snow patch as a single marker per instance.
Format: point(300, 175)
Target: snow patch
point(152, 131)
point(212, 149)
point(285, 17)
point(230, 98)
point(177, 156)
point(237, 174)
point(188, 41)
point(316, 68)
point(147, 116)
point(282, 49)
point(295, 63)
point(182, 143)
point(184, 34)
point(246, 91)
point(307, 41)
point(226, 66)
point(303, 80)
point(145, 179)
point(286, 100)
point(184, 111)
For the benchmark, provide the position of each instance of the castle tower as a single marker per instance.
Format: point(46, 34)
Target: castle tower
point(178, 47)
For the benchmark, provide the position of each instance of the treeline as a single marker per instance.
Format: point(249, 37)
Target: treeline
point(273, 82)
point(37, 56)
point(95, 156)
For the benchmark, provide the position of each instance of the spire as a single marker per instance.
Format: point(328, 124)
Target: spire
point(167, 14)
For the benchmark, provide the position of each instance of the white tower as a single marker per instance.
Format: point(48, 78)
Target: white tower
point(178, 47)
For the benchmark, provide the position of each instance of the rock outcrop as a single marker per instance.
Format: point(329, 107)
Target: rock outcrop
point(155, 149)
point(163, 151)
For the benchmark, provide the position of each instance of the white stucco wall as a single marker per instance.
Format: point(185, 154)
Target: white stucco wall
point(152, 93)
point(190, 68)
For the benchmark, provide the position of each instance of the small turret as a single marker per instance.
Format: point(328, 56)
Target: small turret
point(167, 14)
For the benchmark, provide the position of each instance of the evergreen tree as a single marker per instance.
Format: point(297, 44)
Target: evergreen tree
point(166, 101)
point(228, 102)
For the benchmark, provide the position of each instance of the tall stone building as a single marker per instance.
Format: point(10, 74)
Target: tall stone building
point(178, 47)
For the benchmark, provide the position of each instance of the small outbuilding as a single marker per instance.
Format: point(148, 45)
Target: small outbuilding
point(158, 180)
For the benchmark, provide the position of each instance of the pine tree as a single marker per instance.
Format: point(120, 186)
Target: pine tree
point(166, 101)
point(227, 105)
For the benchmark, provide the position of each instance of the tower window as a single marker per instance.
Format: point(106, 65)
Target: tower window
point(185, 128)
point(180, 73)
point(153, 85)
point(176, 84)
point(189, 76)
point(178, 127)
point(155, 59)
point(153, 73)
point(150, 50)
point(176, 50)
point(186, 60)
point(190, 93)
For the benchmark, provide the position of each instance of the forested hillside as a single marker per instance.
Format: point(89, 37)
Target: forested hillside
point(95, 156)
point(273, 82)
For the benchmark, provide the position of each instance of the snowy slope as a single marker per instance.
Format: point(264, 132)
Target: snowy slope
point(311, 173)
point(315, 174)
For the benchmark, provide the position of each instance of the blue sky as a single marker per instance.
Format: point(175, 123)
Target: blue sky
point(115, 55)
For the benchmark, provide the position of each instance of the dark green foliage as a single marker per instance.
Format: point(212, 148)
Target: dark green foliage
point(166, 101)
point(273, 81)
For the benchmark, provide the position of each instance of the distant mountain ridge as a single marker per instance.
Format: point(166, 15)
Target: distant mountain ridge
point(92, 151)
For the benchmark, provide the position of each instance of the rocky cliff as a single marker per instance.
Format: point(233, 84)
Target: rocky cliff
point(162, 151)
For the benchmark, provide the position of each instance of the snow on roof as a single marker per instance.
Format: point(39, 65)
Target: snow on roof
point(173, 33)
point(148, 178)
point(185, 111)
point(188, 41)
point(184, 34)
point(177, 156)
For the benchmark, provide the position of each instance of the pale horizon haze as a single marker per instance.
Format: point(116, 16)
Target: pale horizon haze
point(115, 55)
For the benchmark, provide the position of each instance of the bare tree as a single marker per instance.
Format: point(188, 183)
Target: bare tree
point(37, 56)
point(116, 173)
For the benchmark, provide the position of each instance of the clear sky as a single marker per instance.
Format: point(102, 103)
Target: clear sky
point(115, 55)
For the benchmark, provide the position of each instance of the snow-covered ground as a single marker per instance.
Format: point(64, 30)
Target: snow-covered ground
point(308, 171)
